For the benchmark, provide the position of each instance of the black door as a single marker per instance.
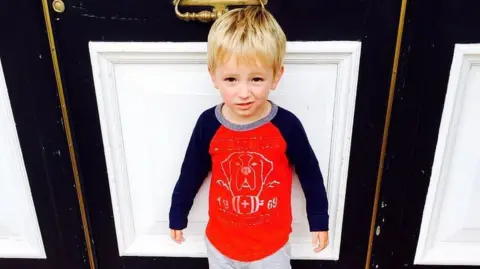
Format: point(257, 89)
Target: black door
point(374, 23)
point(432, 31)
point(30, 95)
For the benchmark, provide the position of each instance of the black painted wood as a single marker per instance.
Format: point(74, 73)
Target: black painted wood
point(370, 21)
point(28, 70)
point(431, 31)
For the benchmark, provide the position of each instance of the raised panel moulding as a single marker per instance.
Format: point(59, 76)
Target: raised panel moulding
point(450, 229)
point(149, 96)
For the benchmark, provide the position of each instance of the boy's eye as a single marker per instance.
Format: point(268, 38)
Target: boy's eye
point(230, 79)
point(257, 79)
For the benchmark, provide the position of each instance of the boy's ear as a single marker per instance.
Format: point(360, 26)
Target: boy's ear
point(277, 78)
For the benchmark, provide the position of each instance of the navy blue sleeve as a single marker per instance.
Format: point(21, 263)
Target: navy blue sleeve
point(302, 156)
point(195, 168)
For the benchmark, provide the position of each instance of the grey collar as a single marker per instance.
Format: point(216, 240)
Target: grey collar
point(248, 126)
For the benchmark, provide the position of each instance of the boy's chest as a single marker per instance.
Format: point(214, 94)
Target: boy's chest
point(254, 148)
point(249, 171)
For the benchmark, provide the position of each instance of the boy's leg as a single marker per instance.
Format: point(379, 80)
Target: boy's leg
point(217, 260)
point(278, 260)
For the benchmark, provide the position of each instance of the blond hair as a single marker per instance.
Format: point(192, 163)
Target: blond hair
point(250, 34)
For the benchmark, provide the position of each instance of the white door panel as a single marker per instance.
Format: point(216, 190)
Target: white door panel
point(450, 230)
point(19, 231)
point(149, 96)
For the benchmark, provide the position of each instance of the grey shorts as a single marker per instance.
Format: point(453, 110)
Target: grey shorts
point(278, 260)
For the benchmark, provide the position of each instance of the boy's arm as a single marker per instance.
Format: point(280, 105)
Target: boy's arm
point(307, 168)
point(194, 170)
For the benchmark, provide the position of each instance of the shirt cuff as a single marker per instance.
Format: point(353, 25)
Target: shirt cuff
point(318, 223)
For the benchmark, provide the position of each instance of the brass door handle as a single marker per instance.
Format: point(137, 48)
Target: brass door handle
point(58, 6)
point(219, 8)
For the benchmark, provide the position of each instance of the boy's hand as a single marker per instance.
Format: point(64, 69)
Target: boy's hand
point(177, 236)
point(319, 241)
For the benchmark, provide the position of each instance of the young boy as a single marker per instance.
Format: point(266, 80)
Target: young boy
point(249, 144)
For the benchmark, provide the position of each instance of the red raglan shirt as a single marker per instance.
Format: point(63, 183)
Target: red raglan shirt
point(250, 212)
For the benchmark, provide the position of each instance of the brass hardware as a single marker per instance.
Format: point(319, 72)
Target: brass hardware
point(58, 6)
point(219, 8)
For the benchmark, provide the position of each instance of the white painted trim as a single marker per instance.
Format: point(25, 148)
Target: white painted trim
point(24, 239)
point(104, 55)
point(430, 249)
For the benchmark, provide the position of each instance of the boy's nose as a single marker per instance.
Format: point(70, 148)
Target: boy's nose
point(243, 92)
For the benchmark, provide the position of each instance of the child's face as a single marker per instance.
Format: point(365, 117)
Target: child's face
point(245, 87)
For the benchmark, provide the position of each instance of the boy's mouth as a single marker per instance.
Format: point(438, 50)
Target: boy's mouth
point(244, 105)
